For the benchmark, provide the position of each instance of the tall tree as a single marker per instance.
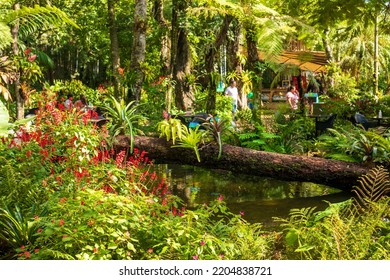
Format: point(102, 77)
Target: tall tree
point(180, 55)
point(15, 51)
point(115, 59)
point(210, 58)
point(158, 14)
point(139, 45)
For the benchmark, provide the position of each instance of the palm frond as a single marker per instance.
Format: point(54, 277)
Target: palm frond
point(37, 18)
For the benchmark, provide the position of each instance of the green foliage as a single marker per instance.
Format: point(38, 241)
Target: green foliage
point(171, 129)
point(4, 118)
point(191, 139)
point(17, 188)
point(336, 233)
point(157, 98)
point(295, 132)
point(94, 225)
point(224, 108)
point(33, 18)
point(259, 140)
point(37, 17)
point(355, 145)
point(77, 88)
point(18, 229)
point(344, 85)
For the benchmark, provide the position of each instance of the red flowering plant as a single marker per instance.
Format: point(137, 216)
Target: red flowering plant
point(104, 204)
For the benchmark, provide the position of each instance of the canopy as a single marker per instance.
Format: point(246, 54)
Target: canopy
point(305, 60)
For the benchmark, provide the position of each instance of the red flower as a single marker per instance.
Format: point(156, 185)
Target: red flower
point(31, 58)
point(27, 254)
point(61, 107)
point(28, 154)
point(62, 222)
point(27, 51)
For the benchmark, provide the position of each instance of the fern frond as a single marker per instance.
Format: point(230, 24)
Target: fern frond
point(301, 216)
point(247, 136)
point(372, 186)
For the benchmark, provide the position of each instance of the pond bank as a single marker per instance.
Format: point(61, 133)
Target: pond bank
point(338, 174)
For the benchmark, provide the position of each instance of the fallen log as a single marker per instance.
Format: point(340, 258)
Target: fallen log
point(338, 174)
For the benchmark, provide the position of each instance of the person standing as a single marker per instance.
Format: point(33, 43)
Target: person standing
point(292, 98)
point(82, 103)
point(68, 102)
point(232, 91)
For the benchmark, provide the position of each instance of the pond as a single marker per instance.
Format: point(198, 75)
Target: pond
point(259, 198)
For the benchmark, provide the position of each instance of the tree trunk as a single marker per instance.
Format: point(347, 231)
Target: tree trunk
point(338, 174)
point(139, 45)
point(327, 46)
point(15, 50)
point(181, 62)
point(115, 60)
point(376, 55)
point(233, 62)
point(210, 62)
point(158, 7)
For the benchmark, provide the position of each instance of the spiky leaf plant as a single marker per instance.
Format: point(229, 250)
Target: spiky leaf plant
point(216, 127)
point(122, 118)
point(191, 138)
point(171, 129)
point(17, 228)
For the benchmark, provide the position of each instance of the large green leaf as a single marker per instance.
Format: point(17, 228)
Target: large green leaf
point(4, 118)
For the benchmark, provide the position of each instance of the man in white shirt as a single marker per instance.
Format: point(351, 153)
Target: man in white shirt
point(232, 91)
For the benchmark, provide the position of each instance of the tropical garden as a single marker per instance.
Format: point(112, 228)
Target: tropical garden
point(67, 189)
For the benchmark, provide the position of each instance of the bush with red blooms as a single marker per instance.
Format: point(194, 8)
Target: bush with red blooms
point(103, 205)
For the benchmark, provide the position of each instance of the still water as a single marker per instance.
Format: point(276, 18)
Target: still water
point(259, 198)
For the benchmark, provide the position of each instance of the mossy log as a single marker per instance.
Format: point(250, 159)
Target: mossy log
point(338, 174)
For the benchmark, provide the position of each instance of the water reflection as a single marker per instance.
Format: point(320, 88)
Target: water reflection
point(259, 197)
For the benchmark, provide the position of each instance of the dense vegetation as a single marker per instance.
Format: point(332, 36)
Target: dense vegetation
point(65, 193)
